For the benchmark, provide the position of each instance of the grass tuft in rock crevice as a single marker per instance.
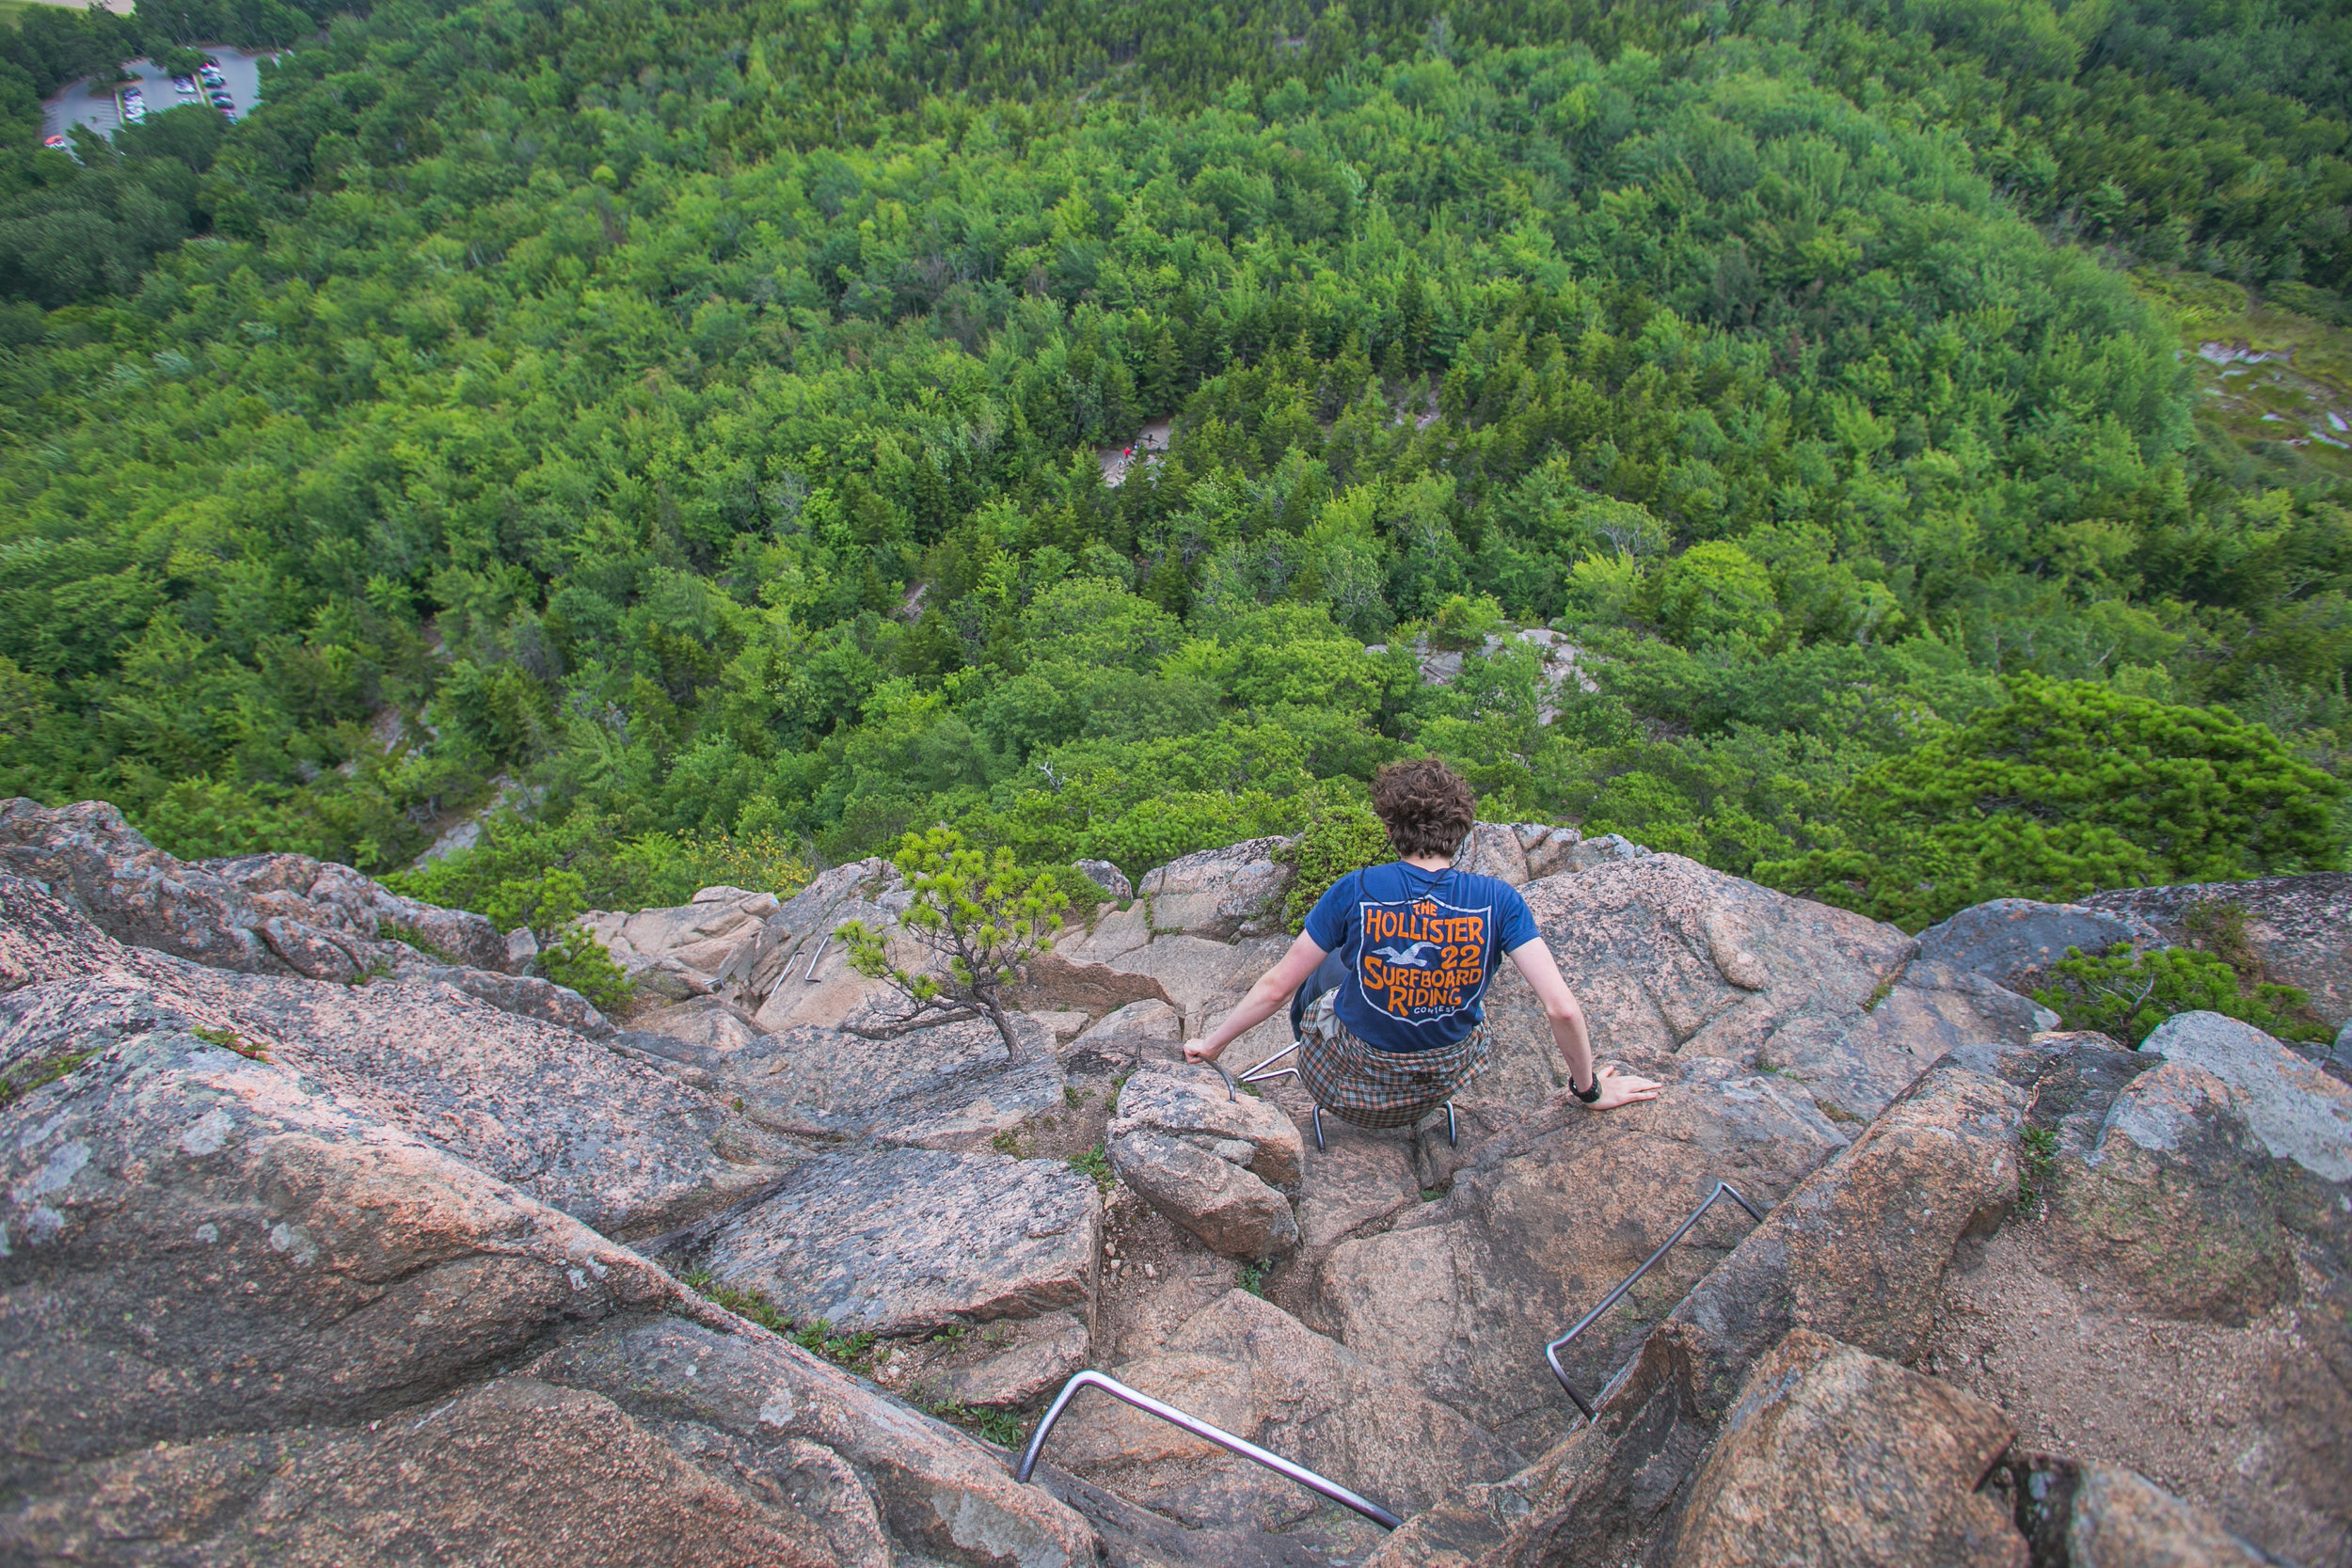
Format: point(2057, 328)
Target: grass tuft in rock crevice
point(855, 1352)
point(38, 1074)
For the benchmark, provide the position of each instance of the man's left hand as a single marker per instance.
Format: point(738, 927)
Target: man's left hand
point(1616, 1088)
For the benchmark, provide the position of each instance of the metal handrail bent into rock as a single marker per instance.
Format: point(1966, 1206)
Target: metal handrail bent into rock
point(1260, 1075)
point(1551, 1351)
point(1230, 1093)
point(1199, 1428)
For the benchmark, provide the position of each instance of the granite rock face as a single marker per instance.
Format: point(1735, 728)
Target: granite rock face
point(1193, 1102)
point(619, 1146)
point(262, 914)
point(681, 951)
point(1850, 1252)
point(305, 1271)
point(1136, 1033)
point(513, 1470)
point(274, 1255)
point(946, 1086)
point(2008, 940)
point(524, 995)
point(1221, 894)
point(775, 963)
point(1833, 1455)
point(910, 1241)
point(1112, 880)
point(1673, 960)
point(1932, 1009)
point(1543, 1220)
point(2171, 1202)
point(261, 1297)
point(805, 1439)
point(1245, 1365)
point(2299, 928)
point(1207, 1188)
point(2105, 1516)
point(1217, 1162)
point(1494, 849)
point(709, 1022)
point(1011, 1365)
point(1858, 1251)
point(2296, 1110)
point(336, 898)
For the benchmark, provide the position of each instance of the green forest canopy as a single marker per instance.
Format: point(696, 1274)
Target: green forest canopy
point(688, 412)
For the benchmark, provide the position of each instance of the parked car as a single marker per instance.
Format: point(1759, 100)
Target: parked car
point(59, 143)
point(222, 100)
point(184, 85)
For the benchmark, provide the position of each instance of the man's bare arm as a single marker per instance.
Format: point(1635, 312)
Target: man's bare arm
point(1271, 992)
point(1533, 961)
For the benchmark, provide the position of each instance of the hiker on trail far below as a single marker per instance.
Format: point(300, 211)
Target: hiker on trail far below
point(1398, 958)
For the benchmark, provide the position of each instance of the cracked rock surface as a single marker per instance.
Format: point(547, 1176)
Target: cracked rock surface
point(908, 1241)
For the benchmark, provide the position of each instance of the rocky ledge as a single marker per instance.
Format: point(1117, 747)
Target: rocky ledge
point(319, 1246)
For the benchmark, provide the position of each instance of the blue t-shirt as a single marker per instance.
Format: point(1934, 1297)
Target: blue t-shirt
point(1420, 947)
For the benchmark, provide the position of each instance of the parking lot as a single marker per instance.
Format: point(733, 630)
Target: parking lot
point(75, 104)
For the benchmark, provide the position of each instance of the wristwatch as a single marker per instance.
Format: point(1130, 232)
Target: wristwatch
point(1588, 1096)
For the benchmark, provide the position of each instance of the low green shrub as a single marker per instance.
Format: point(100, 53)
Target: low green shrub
point(2128, 995)
point(1338, 840)
point(551, 903)
point(575, 958)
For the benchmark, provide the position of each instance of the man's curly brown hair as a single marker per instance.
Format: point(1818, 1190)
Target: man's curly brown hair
point(1427, 807)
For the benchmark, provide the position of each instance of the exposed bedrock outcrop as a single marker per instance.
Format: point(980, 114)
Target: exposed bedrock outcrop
point(1254, 1369)
point(906, 1241)
point(259, 1298)
point(264, 914)
point(340, 1271)
point(1834, 1455)
point(1544, 1219)
point(2299, 928)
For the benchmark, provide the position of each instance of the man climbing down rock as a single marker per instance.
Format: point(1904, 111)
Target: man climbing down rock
point(1400, 1023)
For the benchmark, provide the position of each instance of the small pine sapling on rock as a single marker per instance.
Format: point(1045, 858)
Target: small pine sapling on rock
point(976, 917)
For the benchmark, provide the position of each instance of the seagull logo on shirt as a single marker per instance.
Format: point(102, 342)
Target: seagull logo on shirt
point(1431, 960)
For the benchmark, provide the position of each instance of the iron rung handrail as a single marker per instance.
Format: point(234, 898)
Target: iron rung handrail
point(1256, 1074)
point(1551, 1351)
point(1259, 1073)
point(1199, 1428)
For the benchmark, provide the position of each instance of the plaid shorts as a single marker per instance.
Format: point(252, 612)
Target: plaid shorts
point(1380, 1088)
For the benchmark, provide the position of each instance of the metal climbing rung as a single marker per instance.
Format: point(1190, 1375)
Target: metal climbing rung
point(1255, 1075)
point(1453, 1132)
point(1551, 1351)
point(808, 975)
point(1199, 1428)
point(1230, 1093)
point(1260, 1075)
